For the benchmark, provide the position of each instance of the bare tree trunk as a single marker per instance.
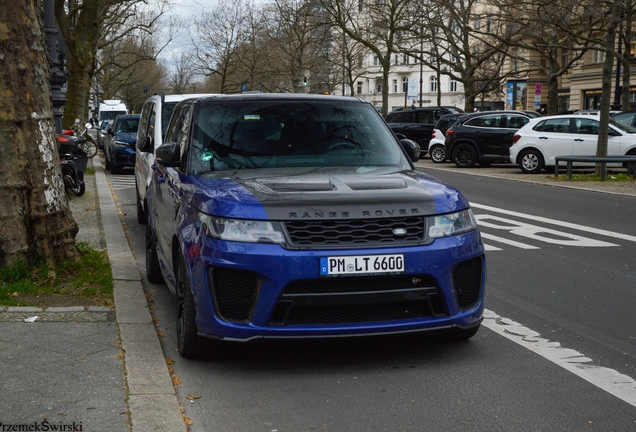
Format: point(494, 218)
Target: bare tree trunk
point(35, 221)
point(80, 58)
point(606, 85)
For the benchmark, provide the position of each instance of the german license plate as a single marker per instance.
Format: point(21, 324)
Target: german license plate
point(361, 265)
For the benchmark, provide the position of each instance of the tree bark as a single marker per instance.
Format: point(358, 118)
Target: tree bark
point(36, 224)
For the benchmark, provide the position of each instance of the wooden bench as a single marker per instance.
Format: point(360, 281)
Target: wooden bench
point(629, 161)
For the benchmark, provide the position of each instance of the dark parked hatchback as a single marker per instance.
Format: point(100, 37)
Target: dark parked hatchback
point(417, 123)
point(483, 137)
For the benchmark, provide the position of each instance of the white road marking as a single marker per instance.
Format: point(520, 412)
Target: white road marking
point(538, 233)
point(488, 247)
point(506, 241)
point(556, 222)
point(613, 382)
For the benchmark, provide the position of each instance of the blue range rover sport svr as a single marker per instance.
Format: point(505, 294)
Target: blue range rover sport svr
point(280, 216)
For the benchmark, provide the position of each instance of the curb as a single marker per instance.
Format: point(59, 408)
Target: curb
point(152, 400)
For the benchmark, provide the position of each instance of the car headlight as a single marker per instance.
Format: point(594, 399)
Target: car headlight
point(240, 230)
point(120, 144)
point(451, 224)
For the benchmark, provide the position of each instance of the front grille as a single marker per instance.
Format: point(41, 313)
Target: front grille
point(358, 284)
point(358, 300)
point(357, 313)
point(467, 282)
point(359, 232)
point(234, 293)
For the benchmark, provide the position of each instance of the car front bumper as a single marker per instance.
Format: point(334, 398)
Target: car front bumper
point(245, 291)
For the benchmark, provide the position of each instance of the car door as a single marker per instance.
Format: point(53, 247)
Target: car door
point(142, 162)
point(585, 136)
point(554, 138)
point(166, 185)
point(488, 133)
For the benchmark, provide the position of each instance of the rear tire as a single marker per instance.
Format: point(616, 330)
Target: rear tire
point(437, 153)
point(531, 162)
point(464, 155)
point(79, 190)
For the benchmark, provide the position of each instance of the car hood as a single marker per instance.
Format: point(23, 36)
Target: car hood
point(323, 193)
point(126, 137)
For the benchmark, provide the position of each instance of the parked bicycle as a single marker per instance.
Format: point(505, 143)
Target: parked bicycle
point(88, 144)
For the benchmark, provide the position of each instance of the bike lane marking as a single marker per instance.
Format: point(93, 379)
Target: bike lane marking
point(615, 383)
point(557, 222)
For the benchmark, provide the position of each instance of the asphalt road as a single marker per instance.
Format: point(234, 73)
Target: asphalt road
point(557, 351)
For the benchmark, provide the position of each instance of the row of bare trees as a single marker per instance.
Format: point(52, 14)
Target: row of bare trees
point(323, 45)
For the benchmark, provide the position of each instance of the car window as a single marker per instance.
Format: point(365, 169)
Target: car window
point(624, 118)
point(586, 126)
point(178, 129)
point(560, 125)
point(491, 121)
point(166, 113)
point(143, 121)
point(399, 117)
point(424, 117)
point(152, 120)
point(516, 121)
point(239, 135)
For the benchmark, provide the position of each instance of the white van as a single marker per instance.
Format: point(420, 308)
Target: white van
point(109, 109)
point(155, 116)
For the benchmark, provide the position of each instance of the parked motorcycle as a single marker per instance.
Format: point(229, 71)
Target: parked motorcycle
point(73, 160)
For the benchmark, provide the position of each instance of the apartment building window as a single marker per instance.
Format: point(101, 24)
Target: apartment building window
point(395, 86)
point(359, 89)
point(406, 59)
point(477, 24)
point(405, 84)
point(453, 85)
point(598, 54)
point(360, 5)
point(433, 83)
point(376, 60)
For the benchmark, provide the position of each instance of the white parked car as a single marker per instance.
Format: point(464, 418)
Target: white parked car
point(155, 116)
point(436, 148)
point(537, 143)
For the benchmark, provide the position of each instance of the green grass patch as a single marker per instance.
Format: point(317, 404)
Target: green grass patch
point(592, 177)
point(88, 280)
point(89, 171)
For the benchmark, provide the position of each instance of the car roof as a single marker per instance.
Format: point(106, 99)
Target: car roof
point(256, 97)
point(480, 113)
point(128, 116)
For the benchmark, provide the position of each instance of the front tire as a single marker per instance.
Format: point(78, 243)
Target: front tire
point(141, 213)
point(437, 153)
point(464, 156)
point(531, 162)
point(153, 271)
point(79, 190)
point(189, 344)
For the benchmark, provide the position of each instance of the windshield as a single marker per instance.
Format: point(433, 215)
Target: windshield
point(127, 125)
point(110, 115)
point(231, 135)
point(622, 126)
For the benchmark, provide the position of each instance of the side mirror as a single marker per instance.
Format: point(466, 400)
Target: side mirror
point(144, 144)
point(411, 148)
point(169, 154)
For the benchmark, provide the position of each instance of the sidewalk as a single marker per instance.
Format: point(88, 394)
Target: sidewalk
point(89, 368)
